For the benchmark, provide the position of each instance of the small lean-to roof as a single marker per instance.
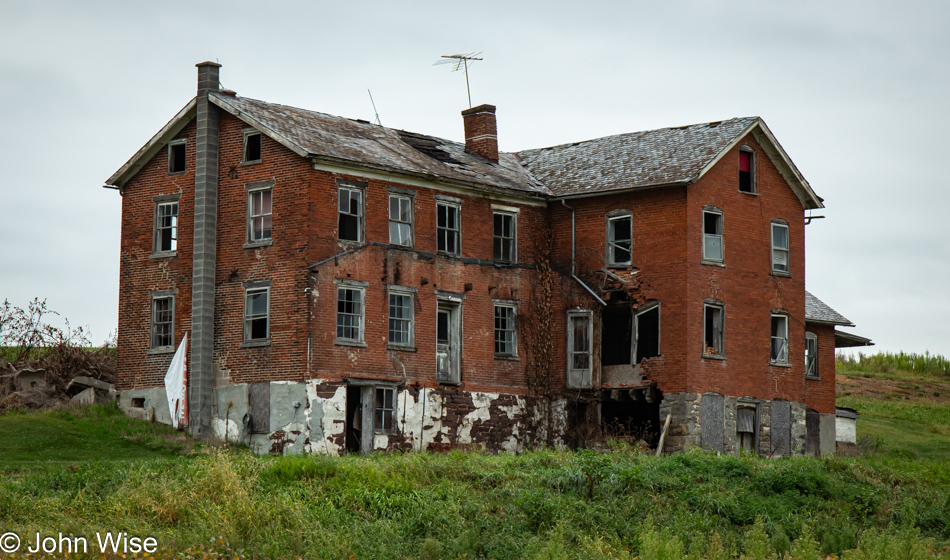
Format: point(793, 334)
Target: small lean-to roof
point(848, 340)
point(817, 311)
point(654, 158)
point(331, 139)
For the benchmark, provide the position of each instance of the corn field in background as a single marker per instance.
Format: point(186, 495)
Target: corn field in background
point(888, 362)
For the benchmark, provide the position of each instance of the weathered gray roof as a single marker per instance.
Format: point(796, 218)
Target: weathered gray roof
point(817, 311)
point(342, 140)
point(638, 159)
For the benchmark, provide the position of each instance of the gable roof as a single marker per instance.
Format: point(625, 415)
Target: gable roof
point(817, 311)
point(654, 158)
point(156, 143)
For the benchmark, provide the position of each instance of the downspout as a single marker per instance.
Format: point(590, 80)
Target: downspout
point(573, 243)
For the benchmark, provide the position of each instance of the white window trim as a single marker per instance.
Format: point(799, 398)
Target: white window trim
point(514, 236)
point(250, 216)
point(458, 224)
point(810, 336)
point(247, 318)
point(787, 250)
point(722, 248)
point(361, 288)
point(360, 218)
point(411, 222)
point(779, 361)
point(611, 261)
point(571, 316)
point(394, 409)
point(405, 292)
point(152, 323)
point(707, 305)
point(247, 134)
point(171, 159)
point(514, 328)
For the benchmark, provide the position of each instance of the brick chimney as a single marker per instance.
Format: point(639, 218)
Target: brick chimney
point(481, 132)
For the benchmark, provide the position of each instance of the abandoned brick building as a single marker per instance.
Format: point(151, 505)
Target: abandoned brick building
point(350, 287)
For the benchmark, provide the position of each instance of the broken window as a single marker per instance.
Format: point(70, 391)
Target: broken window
point(647, 326)
point(166, 227)
point(619, 240)
point(447, 227)
point(779, 247)
point(256, 310)
point(713, 326)
point(176, 156)
point(712, 235)
point(579, 335)
point(505, 330)
point(252, 147)
point(163, 322)
point(400, 318)
point(615, 339)
point(745, 428)
point(259, 215)
point(384, 410)
point(400, 220)
point(504, 234)
point(746, 170)
point(349, 313)
point(811, 355)
point(351, 214)
point(779, 354)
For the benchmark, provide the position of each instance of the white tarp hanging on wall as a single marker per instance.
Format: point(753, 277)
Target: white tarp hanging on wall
point(176, 385)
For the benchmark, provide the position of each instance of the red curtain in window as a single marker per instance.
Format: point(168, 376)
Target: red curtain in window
point(745, 161)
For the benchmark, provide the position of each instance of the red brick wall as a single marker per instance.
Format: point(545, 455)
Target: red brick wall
point(820, 394)
point(746, 285)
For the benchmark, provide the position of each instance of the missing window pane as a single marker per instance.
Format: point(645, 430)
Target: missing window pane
point(252, 147)
point(176, 158)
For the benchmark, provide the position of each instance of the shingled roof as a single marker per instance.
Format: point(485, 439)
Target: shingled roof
point(817, 311)
point(340, 140)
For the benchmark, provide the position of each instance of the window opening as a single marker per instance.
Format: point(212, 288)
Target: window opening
point(400, 220)
point(619, 240)
point(616, 342)
point(176, 157)
point(400, 319)
point(504, 237)
point(260, 214)
point(166, 231)
point(746, 168)
point(779, 339)
point(383, 418)
point(349, 316)
point(447, 228)
point(163, 313)
point(255, 314)
point(712, 236)
point(811, 355)
point(252, 147)
point(505, 330)
point(351, 214)
point(447, 350)
point(780, 248)
point(745, 428)
point(648, 333)
point(713, 317)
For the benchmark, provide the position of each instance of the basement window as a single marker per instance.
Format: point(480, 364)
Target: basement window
point(176, 156)
point(385, 408)
point(811, 355)
point(505, 333)
point(779, 352)
point(746, 428)
point(780, 259)
point(163, 322)
point(349, 313)
point(619, 240)
point(504, 237)
point(260, 215)
point(712, 235)
point(351, 214)
point(256, 314)
point(166, 227)
point(714, 314)
point(746, 170)
point(447, 228)
point(252, 147)
point(400, 220)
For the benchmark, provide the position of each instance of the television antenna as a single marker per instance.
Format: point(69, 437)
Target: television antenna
point(460, 61)
point(374, 107)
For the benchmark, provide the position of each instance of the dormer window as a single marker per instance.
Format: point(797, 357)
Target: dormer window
point(252, 146)
point(176, 156)
point(746, 170)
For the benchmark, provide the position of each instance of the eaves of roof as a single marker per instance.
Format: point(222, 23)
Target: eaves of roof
point(156, 143)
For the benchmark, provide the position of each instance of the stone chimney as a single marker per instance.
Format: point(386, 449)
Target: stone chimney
point(481, 132)
point(200, 373)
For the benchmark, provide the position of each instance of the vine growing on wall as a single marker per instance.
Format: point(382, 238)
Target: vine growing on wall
point(538, 326)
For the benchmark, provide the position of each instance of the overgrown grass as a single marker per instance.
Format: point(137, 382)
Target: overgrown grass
point(887, 364)
point(545, 504)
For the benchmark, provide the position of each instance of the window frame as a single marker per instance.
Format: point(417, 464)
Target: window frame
point(715, 305)
point(410, 223)
point(171, 156)
point(776, 360)
point(250, 289)
point(512, 308)
point(164, 295)
point(713, 211)
point(381, 429)
point(401, 291)
point(787, 249)
point(351, 187)
point(252, 191)
point(456, 233)
point(612, 244)
point(586, 373)
point(754, 408)
point(157, 233)
point(360, 288)
point(512, 240)
point(248, 133)
point(811, 339)
point(752, 183)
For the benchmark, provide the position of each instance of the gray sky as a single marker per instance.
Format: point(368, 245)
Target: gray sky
point(855, 91)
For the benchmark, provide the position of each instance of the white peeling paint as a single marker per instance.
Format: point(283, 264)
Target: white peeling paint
point(229, 428)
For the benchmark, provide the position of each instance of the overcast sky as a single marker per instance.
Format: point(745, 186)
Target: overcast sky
point(856, 92)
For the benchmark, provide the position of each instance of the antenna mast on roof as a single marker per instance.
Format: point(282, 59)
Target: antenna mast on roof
point(374, 106)
point(461, 61)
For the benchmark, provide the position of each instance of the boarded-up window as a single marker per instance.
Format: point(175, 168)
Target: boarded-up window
point(712, 423)
point(780, 432)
